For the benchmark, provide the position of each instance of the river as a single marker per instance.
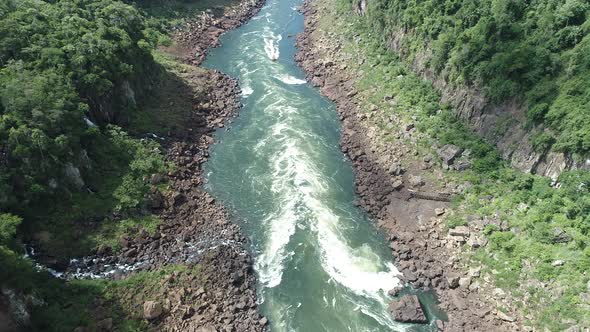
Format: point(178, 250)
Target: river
point(320, 262)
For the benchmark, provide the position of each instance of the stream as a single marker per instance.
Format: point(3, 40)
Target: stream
point(320, 262)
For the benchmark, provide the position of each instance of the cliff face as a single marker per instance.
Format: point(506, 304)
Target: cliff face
point(502, 124)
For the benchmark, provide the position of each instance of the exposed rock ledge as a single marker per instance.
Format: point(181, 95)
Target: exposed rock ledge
point(485, 117)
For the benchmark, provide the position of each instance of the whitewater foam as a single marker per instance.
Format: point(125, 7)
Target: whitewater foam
point(271, 45)
point(291, 80)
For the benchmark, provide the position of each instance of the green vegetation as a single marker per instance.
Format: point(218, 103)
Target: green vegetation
point(539, 234)
point(75, 164)
point(173, 12)
point(62, 62)
point(536, 51)
point(63, 306)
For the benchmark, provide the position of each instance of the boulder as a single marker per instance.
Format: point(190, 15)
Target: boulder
point(408, 310)
point(560, 236)
point(440, 325)
point(415, 181)
point(394, 291)
point(73, 175)
point(459, 231)
point(152, 310)
point(505, 317)
point(453, 280)
point(557, 263)
point(462, 165)
point(439, 211)
point(449, 153)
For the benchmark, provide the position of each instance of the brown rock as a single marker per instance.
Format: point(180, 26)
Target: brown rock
point(408, 310)
point(152, 310)
point(459, 231)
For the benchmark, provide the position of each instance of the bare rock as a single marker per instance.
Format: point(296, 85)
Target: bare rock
point(408, 310)
point(440, 325)
point(449, 153)
point(558, 262)
point(415, 181)
point(394, 291)
point(397, 184)
point(459, 231)
point(152, 310)
point(505, 317)
point(439, 211)
point(453, 280)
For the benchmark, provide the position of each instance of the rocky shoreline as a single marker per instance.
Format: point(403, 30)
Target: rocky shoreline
point(388, 176)
point(195, 37)
point(196, 230)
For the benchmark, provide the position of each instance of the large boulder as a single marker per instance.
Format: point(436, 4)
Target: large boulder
point(449, 153)
point(408, 310)
point(152, 310)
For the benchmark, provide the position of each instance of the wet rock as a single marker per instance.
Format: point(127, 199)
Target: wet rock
point(408, 310)
point(152, 310)
point(394, 291)
point(73, 175)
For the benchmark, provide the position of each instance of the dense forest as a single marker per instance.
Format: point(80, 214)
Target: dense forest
point(70, 73)
point(536, 51)
point(62, 64)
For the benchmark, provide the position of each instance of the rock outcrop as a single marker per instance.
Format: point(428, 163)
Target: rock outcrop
point(408, 310)
point(487, 118)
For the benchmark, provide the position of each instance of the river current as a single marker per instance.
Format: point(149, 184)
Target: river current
point(320, 262)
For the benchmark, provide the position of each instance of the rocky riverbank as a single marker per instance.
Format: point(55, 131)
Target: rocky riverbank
point(215, 288)
point(392, 180)
point(195, 37)
point(196, 229)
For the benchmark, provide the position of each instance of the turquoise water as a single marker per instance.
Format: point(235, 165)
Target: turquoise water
point(321, 265)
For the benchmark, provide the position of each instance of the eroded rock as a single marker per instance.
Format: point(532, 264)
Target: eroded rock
point(408, 310)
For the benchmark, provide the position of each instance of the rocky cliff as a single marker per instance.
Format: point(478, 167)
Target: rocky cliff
point(502, 124)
